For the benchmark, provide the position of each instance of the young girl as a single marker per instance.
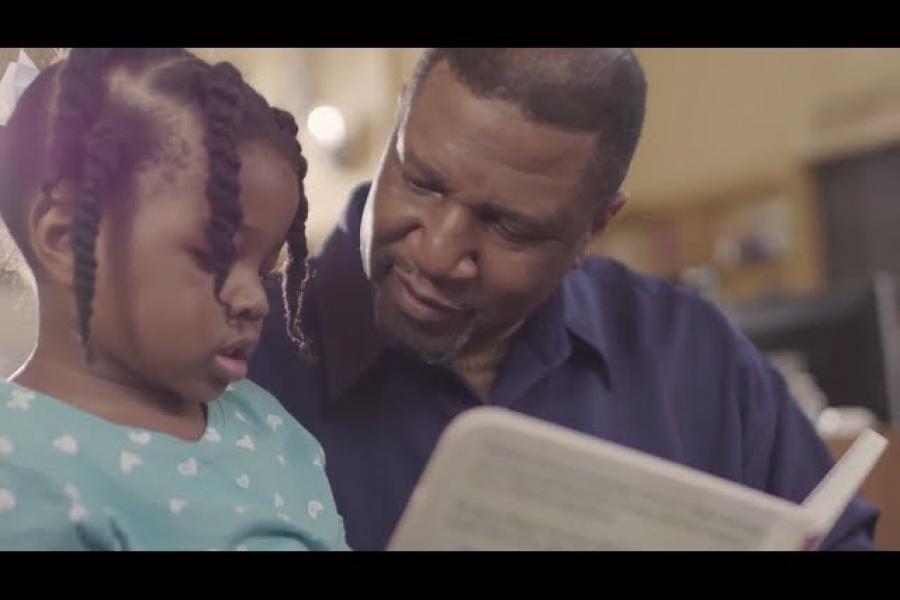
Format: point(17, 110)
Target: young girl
point(150, 194)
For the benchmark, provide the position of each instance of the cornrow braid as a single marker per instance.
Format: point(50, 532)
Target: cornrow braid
point(101, 160)
point(222, 106)
point(80, 103)
point(295, 268)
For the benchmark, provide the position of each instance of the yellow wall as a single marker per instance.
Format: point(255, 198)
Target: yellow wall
point(720, 117)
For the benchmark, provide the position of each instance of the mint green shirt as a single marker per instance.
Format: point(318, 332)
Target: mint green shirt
point(72, 481)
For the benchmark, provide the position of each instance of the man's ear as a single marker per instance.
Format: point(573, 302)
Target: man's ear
point(49, 222)
point(602, 216)
point(605, 214)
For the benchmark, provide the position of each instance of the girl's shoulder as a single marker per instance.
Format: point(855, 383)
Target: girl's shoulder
point(254, 405)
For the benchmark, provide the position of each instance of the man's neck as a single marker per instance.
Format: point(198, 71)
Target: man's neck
point(479, 366)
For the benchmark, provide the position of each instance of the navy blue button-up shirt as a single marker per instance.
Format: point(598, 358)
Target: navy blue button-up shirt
point(612, 353)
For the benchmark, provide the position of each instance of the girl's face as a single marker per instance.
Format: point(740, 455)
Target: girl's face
point(156, 320)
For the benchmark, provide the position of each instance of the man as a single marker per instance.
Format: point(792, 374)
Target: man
point(460, 277)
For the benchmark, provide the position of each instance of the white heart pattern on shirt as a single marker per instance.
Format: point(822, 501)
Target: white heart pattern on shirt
point(128, 461)
point(313, 508)
point(141, 438)
point(274, 421)
point(284, 517)
point(6, 446)
point(66, 443)
point(21, 400)
point(188, 468)
point(279, 501)
point(245, 442)
point(243, 481)
point(7, 500)
point(240, 509)
point(71, 491)
point(77, 513)
point(212, 435)
point(280, 458)
point(176, 505)
point(318, 461)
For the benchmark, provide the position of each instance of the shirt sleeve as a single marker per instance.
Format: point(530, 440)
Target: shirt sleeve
point(785, 455)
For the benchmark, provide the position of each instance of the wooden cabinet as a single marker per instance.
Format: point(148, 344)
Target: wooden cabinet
point(882, 488)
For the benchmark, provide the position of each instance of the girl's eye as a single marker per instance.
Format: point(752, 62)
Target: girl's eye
point(203, 259)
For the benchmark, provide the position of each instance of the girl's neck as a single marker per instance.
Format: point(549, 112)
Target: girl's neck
point(106, 390)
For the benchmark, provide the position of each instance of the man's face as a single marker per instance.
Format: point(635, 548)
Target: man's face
point(474, 217)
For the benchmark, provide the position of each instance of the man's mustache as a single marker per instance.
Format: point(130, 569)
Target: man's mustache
point(389, 261)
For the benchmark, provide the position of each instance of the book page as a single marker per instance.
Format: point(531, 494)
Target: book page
point(503, 481)
point(827, 501)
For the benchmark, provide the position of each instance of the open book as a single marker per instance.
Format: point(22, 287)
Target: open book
point(499, 480)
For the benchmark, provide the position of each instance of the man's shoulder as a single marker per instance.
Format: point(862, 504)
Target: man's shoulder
point(623, 294)
point(641, 315)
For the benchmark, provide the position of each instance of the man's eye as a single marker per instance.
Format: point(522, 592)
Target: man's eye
point(420, 187)
point(512, 234)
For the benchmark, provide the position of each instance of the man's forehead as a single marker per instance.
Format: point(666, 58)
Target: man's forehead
point(498, 152)
point(445, 108)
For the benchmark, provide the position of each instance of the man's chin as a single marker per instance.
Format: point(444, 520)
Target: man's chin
point(432, 349)
point(431, 342)
point(428, 349)
point(435, 357)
